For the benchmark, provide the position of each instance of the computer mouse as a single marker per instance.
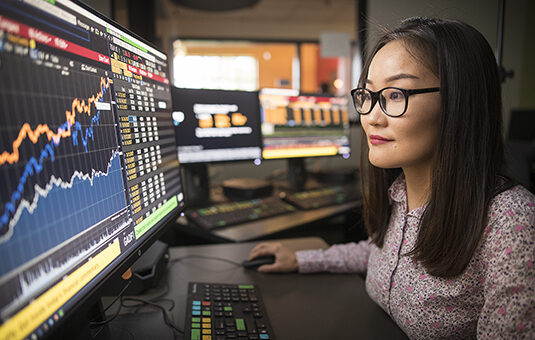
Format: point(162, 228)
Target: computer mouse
point(258, 261)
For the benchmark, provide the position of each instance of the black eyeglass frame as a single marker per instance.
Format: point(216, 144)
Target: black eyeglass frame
point(375, 97)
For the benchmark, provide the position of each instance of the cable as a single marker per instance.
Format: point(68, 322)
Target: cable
point(95, 324)
point(152, 301)
point(163, 293)
point(140, 305)
point(159, 297)
point(205, 257)
point(119, 296)
point(166, 317)
point(165, 300)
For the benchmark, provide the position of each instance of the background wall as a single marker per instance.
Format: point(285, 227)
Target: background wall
point(518, 40)
point(278, 66)
point(527, 74)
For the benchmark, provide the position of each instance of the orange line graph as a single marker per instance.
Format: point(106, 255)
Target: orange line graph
point(41, 129)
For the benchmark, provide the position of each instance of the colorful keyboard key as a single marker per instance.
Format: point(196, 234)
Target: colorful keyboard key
point(226, 311)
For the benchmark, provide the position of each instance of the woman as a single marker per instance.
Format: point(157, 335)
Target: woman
point(451, 246)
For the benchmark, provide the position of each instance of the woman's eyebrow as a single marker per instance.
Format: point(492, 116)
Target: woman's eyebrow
point(395, 77)
point(401, 76)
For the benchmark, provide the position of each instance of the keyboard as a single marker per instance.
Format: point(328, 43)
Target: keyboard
point(317, 198)
point(226, 311)
point(226, 214)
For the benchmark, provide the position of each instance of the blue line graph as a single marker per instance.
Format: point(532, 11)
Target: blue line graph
point(64, 185)
point(88, 132)
point(35, 166)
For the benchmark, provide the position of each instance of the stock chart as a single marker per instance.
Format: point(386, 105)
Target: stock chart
point(59, 153)
point(88, 161)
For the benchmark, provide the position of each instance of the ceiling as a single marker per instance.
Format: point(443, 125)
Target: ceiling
point(269, 19)
point(277, 10)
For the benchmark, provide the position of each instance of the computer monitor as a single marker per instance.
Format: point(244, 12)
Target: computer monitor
point(89, 174)
point(214, 126)
point(297, 125)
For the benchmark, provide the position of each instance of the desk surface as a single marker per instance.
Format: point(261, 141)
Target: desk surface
point(314, 306)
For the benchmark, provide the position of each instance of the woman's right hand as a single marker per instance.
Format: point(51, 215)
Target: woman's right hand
point(285, 259)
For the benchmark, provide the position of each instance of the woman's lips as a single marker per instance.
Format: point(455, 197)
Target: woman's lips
point(376, 139)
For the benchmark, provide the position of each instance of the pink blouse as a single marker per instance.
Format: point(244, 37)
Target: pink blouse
point(494, 298)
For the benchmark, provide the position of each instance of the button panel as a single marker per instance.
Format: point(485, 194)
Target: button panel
point(225, 311)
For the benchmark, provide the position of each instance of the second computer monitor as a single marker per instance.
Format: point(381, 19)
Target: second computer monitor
point(298, 125)
point(216, 125)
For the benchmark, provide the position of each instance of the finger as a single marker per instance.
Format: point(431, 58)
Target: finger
point(253, 253)
point(257, 248)
point(259, 253)
point(261, 250)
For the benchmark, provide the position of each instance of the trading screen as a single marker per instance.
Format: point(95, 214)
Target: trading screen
point(297, 125)
point(88, 160)
point(216, 125)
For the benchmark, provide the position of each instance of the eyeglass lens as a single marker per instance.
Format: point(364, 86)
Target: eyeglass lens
point(391, 100)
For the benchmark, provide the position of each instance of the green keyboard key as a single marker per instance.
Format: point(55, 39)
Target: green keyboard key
point(245, 286)
point(240, 325)
point(195, 334)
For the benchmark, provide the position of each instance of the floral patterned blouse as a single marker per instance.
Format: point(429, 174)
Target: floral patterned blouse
point(493, 299)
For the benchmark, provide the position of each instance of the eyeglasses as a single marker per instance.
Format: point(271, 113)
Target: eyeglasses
point(392, 100)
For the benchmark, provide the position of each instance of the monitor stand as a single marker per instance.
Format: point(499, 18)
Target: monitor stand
point(246, 188)
point(337, 176)
point(297, 173)
point(196, 183)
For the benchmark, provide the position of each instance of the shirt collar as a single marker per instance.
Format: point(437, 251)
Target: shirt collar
point(398, 195)
point(398, 190)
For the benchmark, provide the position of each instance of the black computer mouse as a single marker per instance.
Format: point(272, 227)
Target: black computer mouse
point(258, 261)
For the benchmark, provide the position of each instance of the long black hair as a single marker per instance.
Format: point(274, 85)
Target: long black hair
point(469, 153)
